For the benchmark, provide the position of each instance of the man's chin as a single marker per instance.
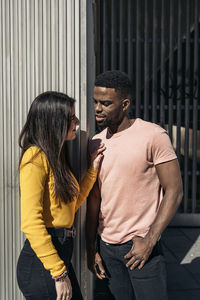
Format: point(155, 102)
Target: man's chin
point(101, 123)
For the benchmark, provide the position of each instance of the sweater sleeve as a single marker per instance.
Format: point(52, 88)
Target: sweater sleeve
point(33, 180)
point(86, 186)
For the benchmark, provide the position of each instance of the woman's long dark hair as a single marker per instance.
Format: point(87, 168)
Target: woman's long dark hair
point(46, 127)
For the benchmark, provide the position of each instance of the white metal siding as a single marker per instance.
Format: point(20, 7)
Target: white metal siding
point(42, 47)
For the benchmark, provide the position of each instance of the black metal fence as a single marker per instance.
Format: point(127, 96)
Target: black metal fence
point(157, 42)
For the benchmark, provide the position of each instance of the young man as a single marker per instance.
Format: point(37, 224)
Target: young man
point(127, 207)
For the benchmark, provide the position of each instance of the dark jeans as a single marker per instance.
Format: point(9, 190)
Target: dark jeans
point(149, 283)
point(35, 281)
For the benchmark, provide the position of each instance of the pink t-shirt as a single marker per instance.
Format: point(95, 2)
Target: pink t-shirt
point(130, 190)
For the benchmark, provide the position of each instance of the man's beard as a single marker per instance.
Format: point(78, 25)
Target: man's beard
point(101, 126)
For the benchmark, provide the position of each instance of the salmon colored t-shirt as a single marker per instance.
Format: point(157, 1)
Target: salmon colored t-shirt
point(130, 190)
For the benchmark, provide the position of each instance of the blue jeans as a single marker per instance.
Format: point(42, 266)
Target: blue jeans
point(35, 281)
point(149, 283)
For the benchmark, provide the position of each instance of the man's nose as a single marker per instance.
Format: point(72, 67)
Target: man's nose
point(98, 107)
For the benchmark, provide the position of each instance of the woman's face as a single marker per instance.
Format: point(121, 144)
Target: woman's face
point(71, 134)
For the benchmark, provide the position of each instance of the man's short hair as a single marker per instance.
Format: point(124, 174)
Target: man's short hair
point(117, 80)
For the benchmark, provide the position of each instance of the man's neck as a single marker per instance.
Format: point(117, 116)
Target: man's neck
point(125, 123)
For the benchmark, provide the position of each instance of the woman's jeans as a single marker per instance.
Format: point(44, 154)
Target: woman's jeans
point(149, 283)
point(35, 281)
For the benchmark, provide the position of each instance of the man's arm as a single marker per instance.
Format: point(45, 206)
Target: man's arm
point(170, 179)
point(92, 215)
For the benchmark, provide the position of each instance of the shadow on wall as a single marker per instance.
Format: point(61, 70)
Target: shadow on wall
point(181, 248)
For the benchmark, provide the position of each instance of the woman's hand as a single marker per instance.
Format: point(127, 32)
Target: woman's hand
point(64, 289)
point(97, 156)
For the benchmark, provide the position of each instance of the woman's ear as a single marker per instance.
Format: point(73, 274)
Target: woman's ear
point(125, 104)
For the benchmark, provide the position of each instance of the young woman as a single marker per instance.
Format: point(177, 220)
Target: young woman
point(50, 197)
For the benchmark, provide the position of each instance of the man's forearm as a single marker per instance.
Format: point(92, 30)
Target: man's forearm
point(91, 230)
point(166, 211)
point(170, 179)
point(92, 216)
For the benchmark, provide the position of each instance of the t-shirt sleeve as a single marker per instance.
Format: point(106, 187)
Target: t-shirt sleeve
point(33, 176)
point(162, 149)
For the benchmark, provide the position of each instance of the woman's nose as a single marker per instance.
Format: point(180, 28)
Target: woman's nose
point(77, 121)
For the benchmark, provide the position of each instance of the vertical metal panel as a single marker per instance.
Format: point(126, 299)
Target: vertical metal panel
point(40, 44)
point(46, 17)
point(14, 87)
point(179, 80)
point(54, 35)
point(62, 40)
point(7, 262)
point(195, 105)
point(113, 35)
point(90, 56)
point(105, 35)
point(130, 40)
point(70, 45)
point(138, 57)
point(155, 62)
point(146, 61)
point(162, 63)
point(121, 36)
point(187, 106)
point(82, 86)
point(171, 66)
point(2, 253)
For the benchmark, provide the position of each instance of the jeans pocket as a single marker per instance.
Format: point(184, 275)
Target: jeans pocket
point(24, 269)
point(27, 248)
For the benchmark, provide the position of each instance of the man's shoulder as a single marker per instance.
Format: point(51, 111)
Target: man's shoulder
point(150, 127)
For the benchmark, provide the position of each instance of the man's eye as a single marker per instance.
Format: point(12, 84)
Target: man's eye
point(104, 103)
point(107, 103)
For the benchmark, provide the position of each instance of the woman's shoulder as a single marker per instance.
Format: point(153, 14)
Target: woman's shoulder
point(34, 155)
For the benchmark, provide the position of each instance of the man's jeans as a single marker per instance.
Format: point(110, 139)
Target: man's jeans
point(149, 283)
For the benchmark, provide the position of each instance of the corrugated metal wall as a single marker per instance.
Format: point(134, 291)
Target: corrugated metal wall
point(42, 47)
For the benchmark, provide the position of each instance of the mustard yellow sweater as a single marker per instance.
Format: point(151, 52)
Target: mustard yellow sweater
point(40, 209)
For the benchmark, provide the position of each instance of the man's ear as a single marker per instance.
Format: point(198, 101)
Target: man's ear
point(125, 104)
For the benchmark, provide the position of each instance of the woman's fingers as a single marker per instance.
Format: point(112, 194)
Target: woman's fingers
point(100, 149)
point(64, 289)
point(97, 156)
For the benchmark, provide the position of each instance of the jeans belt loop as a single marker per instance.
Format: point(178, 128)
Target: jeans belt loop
point(69, 233)
point(73, 232)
